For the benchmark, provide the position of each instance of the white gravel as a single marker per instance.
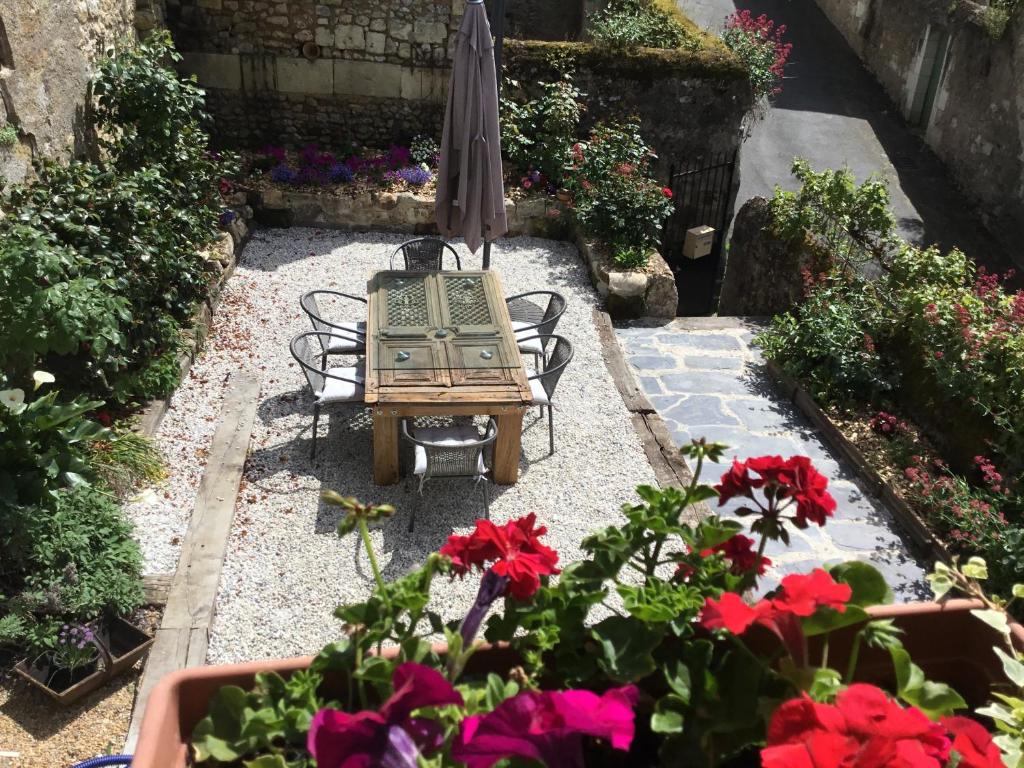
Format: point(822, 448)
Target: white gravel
point(286, 569)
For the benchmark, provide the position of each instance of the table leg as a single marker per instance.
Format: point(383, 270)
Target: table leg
point(385, 449)
point(507, 447)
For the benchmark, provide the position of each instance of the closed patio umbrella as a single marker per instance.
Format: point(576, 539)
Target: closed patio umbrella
point(470, 192)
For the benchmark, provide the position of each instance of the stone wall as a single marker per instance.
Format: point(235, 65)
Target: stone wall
point(977, 123)
point(334, 71)
point(690, 104)
point(541, 19)
point(48, 51)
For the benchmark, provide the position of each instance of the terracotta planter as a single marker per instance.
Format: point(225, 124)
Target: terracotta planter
point(122, 644)
point(944, 640)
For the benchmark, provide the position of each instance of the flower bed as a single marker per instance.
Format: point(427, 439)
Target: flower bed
point(677, 665)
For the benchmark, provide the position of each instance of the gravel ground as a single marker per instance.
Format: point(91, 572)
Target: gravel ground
point(286, 569)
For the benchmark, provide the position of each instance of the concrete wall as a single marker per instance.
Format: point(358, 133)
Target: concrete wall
point(289, 71)
point(48, 51)
point(977, 123)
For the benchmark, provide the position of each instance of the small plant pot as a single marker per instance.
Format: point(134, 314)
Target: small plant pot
point(121, 645)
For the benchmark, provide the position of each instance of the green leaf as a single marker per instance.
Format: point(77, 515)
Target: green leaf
point(626, 647)
point(1017, 590)
point(677, 675)
point(1013, 668)
point(668, 715)
point(826, 620)
point(995, 619)
point(975, 568)
point(934, 699)
point(267, 761)
point(868, 584)
point(825, 685)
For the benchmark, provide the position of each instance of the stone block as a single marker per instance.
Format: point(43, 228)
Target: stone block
point(323, 37)
point(376, 42)
point(214, 70)
point(701, 410)
point(213, 5)
point(401, 31)
point(295, 75)
point(430, 32)
point(350, 37)
point(367, 78)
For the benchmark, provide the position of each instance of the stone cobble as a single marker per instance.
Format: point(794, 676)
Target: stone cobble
point(706, 379)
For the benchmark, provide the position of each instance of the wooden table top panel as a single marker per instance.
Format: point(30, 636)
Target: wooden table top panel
point(433, 398)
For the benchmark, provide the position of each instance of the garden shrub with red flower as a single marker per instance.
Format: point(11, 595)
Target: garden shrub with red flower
point(615, 197)
point(646, 651)
point(758, 42)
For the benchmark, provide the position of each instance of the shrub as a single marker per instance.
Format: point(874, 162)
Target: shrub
point(636, 23)
point(425, 149)
point(8, 136)
point(758, 42)
point(124, 460)
point(68, 559)
point(615, 198)
point(536, 133)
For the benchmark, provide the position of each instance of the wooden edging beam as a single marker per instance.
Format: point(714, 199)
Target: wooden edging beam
point(924, 539)
point(181, 640)
point(670, 468)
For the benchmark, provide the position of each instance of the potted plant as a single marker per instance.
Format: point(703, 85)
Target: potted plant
point(84, 657)
point(651, 650)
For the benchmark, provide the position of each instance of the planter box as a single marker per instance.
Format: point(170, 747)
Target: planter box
point(944, 640)
point(125, 643)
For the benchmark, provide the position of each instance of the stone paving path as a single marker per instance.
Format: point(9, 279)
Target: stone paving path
point(704, 378)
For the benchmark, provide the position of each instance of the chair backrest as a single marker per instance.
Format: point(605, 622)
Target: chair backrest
point(425, 254)
point(559, 358)
point(310, 306)
point(523, 309)
point(302, 351)
point(453, 460)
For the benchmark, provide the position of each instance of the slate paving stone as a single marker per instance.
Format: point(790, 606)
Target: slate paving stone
point(855, 535)
point(764, 415)
point(662, 403)
point(701, 382)
point(651, 385)
point(700, 410)
point(713, 363)
point(707, 341)
point(654, 362)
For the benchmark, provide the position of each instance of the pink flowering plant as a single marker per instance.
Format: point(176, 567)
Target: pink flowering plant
point(650, 649)
point(759, 43)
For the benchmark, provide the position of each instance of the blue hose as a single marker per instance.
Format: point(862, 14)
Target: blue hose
point(99, 762)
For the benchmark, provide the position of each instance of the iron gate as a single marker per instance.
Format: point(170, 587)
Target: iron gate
point(702, 192)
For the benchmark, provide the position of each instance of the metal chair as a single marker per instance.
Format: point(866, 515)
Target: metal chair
point(452, 452)
point(543, 383)
point(328, 385)
point(337, 338)
point(424, 254)
point(533, 323)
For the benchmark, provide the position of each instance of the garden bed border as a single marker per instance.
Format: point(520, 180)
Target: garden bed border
point(923, 537)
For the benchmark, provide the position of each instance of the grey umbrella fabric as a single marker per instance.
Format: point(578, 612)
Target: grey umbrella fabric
point(470, 192)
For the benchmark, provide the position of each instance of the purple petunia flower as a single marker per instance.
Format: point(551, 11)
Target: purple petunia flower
point(226, 218)
point(283, 174)
point(340, 172)
point(275, 153)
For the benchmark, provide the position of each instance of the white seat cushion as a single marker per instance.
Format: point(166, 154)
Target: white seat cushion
point(540, 397)
point(337, 391)
point(463, 435)
point(531, 345)
point(337, 345)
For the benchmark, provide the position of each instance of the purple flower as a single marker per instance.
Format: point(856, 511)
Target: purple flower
point(309, 174)
point(492, 586)
point(340, 172)
point(389, 737)
point(398, 156)
point(274, 152)
point(283, 174)
point(226, 218)
point(412, 175)
point(548, 727)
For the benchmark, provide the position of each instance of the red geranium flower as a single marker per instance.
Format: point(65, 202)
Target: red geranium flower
point(794, 478)
point(803, 594)
point(666, 192)
point(973, 743)
point(514, 549)
point(863, 729)
point(739, 550)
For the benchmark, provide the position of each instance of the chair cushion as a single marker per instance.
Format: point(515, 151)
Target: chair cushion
point(337, 391)
point(540, 397)
point(461, 435)
point(337, 345)
point(532, 345)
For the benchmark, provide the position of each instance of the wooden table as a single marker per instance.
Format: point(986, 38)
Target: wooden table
point(442, 344)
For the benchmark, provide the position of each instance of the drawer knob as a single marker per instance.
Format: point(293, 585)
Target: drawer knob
point(402, 357)
point(486, 354)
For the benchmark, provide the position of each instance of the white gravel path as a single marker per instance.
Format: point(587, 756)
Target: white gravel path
point(286, 569)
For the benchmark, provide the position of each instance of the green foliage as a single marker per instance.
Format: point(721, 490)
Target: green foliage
point(849, 221)
point(42, 446)
point(536, 132)
point(638, 23)
point(615, 198)
point(8, 136)
point(125, 460)
point(631, 258)
point(828, 343)
point(71, 558)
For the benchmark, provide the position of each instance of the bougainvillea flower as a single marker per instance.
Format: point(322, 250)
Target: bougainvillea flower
point(514, 550)
point(804, 593)
point(391, 736)
point(863, 729)
point(548, 726)
point(972, 743)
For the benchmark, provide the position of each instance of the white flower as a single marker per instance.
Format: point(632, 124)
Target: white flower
point(12, 398)
point(42, 377)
